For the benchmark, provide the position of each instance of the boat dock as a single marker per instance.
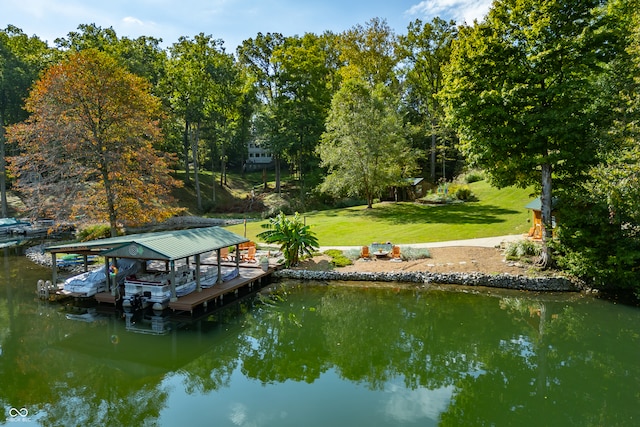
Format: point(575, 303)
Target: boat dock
point(249, 277)
point(173, 253)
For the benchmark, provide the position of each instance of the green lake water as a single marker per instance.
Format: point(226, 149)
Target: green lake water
point(323, 356)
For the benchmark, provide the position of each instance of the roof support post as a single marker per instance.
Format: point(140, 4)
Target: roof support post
point(197, 273)
point(219, 279)
point(113, 278)
point(106, 271)
point(172, 275)
point(54, 269)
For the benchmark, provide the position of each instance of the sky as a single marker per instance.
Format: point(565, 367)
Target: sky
point(230, 20)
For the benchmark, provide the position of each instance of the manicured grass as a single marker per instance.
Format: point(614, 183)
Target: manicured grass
point(496, 213)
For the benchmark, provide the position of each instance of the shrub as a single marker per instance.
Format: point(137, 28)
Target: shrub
point(474, 176)
point(411, 254)
point(448, 194)
point(522, 249)
point(437, 198)
point(93, 232)
point(295, 238)
point(464, 193)
point(275, 204)
point(338, 259)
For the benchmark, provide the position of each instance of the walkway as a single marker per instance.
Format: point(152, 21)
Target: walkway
point(485, 242)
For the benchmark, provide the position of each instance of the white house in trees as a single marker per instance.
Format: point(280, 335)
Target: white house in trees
point(258, 157)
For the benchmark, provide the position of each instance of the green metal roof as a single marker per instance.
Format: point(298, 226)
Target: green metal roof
point(536, 204)
point(7, 222)
point(166, 245)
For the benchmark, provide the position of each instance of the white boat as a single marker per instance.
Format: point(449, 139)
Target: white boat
point(92, 282)
point(155, 288)
point(9, 225)
point(228, 273)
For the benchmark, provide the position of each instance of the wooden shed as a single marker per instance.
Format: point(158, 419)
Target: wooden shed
point(409, 190)
point(535, 232)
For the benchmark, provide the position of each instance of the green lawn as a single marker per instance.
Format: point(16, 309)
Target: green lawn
point(496, 213)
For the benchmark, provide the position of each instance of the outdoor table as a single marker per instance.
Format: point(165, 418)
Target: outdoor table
point(381, 254)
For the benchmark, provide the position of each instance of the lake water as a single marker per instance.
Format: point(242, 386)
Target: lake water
point(322, 356)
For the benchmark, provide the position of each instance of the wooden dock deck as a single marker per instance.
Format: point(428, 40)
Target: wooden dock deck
point(246, 277)
point(105, 297)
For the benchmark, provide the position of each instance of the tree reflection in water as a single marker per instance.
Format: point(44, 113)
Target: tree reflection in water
point(404, 355)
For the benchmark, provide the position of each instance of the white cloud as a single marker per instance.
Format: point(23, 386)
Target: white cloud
point(238, 415)
point(459, 10)
point(130, 20)
point(413, 406)
point(131, 25)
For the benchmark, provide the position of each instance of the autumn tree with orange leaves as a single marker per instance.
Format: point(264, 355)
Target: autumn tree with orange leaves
point(87, 149)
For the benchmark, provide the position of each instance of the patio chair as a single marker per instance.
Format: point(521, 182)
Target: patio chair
point(395, 252)
point(246, 245)
point(364, 253)
point(224, 254)
point(250, 256)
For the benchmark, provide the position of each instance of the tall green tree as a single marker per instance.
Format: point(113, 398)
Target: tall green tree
point(21, 60)
point(189, 87)
point(520, 92)
point(364, 148)
point(142, 56)
point(600, 228)
point(87, 149)
point(369, 52)
point(304, 98)
point(229, 94)
point(256, 55)
point(425, 52)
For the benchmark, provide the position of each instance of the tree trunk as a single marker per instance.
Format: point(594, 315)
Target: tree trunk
point(264, 178)
point(223, 166)
point(194, 153)
point(301, 180)
point(213, 176)
point(3, 171)
point(546, 202)
point(433, 155)
point(277, 170)
point(185, 146)
point(224, 153)
point(111, 207)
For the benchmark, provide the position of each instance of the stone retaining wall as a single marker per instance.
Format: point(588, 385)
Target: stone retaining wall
point(505, 281)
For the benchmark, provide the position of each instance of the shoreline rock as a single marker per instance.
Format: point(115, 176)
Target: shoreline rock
point(503, 281)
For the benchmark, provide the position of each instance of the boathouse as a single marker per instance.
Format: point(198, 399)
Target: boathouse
point(167, 246)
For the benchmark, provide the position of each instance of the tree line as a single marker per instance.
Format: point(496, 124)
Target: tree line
point(539, 92)
point(274, 91)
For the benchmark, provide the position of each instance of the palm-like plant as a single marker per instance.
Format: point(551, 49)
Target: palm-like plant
point(295, 238)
